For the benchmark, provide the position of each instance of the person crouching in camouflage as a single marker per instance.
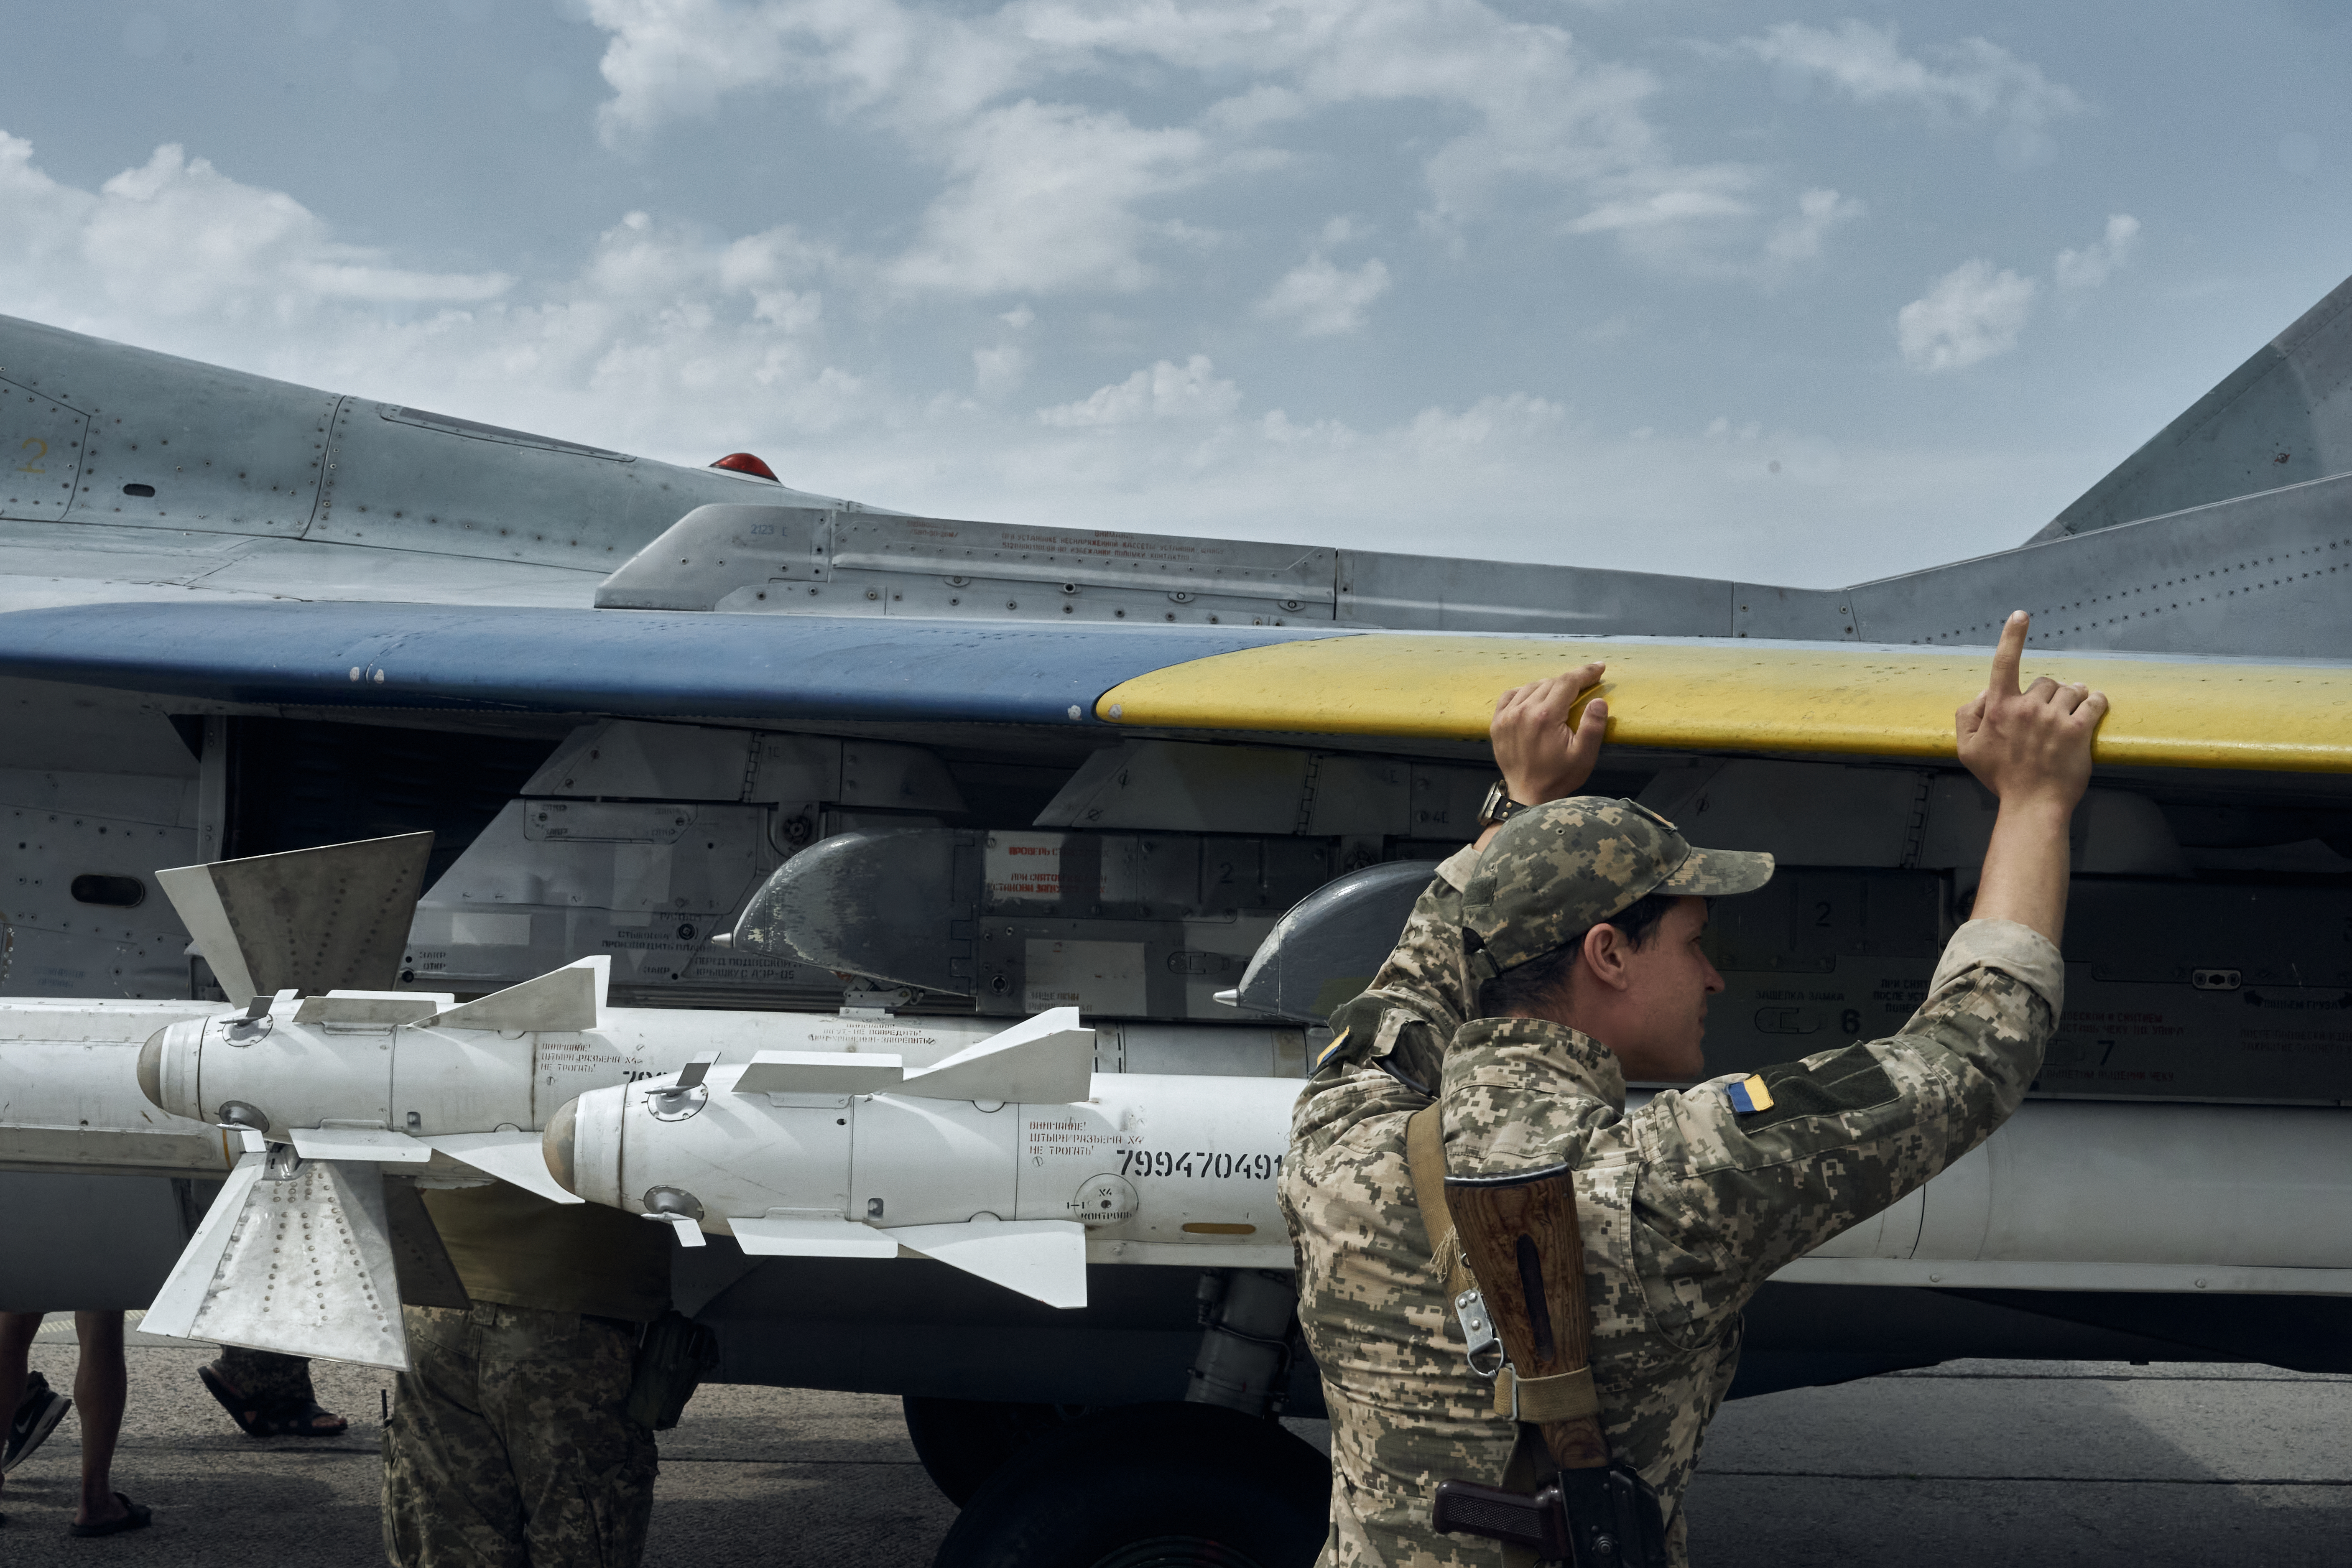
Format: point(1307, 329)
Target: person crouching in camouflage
point(1541, 972)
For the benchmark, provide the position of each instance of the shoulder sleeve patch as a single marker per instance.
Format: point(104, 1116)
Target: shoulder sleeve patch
point(1850, 1079)
point(1332, 1049)
point(1749, 1095)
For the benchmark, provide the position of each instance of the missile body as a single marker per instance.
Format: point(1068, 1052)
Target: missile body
point(1011, 1159)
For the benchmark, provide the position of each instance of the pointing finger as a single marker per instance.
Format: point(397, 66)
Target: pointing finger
point(2010, 654)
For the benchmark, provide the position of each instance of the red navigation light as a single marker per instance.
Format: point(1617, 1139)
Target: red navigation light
point(744, 463)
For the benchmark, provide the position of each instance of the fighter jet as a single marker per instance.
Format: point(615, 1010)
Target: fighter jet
point(399, 799)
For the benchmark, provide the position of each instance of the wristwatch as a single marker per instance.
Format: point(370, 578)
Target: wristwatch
point(1499, 807)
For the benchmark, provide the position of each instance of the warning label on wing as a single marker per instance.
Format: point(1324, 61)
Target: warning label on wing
point(1025, 868)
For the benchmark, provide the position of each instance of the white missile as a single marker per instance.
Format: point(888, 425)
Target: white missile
point(1013, 1160)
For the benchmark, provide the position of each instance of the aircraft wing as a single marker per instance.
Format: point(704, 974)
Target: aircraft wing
point(1830, 699)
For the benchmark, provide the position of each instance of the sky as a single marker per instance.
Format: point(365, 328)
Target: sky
point(1796, 293)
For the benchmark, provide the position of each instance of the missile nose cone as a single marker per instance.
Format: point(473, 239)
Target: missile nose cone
point(556, 1144)
point(151, 1069)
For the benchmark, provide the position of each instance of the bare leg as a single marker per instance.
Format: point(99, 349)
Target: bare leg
point(16, 1331)
point(101, 1389)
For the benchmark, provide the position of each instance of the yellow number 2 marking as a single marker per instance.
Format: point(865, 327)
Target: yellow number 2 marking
point(33, 467)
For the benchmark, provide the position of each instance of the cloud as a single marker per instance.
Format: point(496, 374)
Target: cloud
point(2091, 266)
point(1973, 80)
point(1499, 103)
point(1190, 390)
point(1968, 316)
point(1044, 200)
point(1798, 239)
point(1323, 301)
point(176, 239)
point(662, 334)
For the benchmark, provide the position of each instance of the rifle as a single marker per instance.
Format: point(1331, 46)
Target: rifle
point(1520, 1241)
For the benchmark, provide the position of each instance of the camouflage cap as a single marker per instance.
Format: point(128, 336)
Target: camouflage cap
point(1559, 869)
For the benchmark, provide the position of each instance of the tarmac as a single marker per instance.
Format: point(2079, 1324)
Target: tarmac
point(2071, 1465)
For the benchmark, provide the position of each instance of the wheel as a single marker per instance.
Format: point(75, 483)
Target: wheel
point(962, 1442)
point(1150, 1486)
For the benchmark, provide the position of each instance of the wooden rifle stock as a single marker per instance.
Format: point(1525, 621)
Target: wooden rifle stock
point(1520, 1239)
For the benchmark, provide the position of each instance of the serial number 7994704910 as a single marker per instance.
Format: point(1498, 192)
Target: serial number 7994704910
point(1203, 1164)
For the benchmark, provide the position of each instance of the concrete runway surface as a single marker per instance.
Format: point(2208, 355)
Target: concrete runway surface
point(2067, 1464)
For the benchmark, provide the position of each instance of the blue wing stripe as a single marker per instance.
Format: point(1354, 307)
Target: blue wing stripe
point(624, 662)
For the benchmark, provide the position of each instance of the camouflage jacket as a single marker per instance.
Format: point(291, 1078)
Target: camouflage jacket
point(1687, 1207)
point(1420, 997)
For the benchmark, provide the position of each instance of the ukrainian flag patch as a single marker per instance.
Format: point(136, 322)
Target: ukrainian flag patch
point(1331, 1050)
point(1749, 1094)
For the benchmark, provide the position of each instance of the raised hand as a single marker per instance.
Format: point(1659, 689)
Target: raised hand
point(1541, 756)
point(2032, 749)
point(2031, 744)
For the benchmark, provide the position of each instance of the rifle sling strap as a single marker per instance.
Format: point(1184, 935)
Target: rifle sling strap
point(1566, 1396)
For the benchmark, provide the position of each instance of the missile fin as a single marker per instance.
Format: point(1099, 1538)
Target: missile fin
point(370, 1009)
point(815, 1236)
point(306, 1268)
point(689, 1233)
point(1045, 1259)
point(360, 1143)
point(307, 920)
point(821, 1072)
point(514, 1157)
point(1044, 1060)
point(560, 1001)
point(197, 902)
point(175, 1306)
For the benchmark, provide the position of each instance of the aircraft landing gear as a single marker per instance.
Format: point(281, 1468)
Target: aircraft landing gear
point(1211, 1482)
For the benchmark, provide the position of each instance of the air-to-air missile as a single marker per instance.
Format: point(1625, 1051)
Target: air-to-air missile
point(1002, 1160)
point(996, 1151)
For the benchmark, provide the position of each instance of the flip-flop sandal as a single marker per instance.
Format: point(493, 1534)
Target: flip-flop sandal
point(231, 1401)
point(299, 1418)
point(136, 1516)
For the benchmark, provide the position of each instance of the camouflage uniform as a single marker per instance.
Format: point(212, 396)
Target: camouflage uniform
point(511, 1446)
point(265, 1378)
point(1420, 997)
point(1687, 1207)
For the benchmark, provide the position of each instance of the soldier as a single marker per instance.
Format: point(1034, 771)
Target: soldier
point(511, 1444)
point(1580, 927)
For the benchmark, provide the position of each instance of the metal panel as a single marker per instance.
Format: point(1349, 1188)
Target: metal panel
point(40, 452)
point(1445, 592)
point(2282, 417)
point(2265, 575)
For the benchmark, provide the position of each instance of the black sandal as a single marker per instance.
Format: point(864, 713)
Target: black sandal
point(135, 1516)
point(279, 1418)
point(298, 1419)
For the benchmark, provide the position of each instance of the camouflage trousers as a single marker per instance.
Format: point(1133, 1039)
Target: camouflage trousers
point(508, 1447)
point(264, 1378)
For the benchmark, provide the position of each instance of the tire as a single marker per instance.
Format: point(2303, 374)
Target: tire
point(1150, 1486)
point(962, 1442)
